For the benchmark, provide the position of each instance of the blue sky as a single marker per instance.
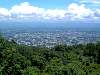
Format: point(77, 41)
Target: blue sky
point(49, 3)
point(50, 10)
point(41, 3)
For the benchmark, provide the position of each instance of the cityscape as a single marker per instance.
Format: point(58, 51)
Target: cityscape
point(51, 39)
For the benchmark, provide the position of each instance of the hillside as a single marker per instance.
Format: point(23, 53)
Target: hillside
point(61, 60)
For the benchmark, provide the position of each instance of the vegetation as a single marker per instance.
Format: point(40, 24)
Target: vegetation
point(61, 60)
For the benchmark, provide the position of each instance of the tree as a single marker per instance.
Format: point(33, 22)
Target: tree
point(31, 71)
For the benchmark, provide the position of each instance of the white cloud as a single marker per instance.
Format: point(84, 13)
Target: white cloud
point(79, 11)
point(4, 12)
point(96, 1)
point(97, 13)
point(84, 1)
point(26, 8)
point(90, 1)
point(55, 13)
point(26, 11)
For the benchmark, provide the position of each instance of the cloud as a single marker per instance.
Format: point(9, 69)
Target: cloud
point(26, 11)
point(79, 11)
point(26, 8)
point(90, 1)
point(54, 14)
point(96, 1)
point(4, 12)
point(97, 14)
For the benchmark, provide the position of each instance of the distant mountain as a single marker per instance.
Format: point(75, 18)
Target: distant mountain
point(50, 25)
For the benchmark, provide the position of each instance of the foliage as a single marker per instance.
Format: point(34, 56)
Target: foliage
point(61, 60)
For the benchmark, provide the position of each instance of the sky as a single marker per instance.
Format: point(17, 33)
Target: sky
point(50, 10)
point(40, 3)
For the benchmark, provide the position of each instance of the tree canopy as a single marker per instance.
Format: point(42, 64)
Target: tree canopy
point(61, 60)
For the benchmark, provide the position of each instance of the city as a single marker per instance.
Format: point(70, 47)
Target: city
point(50, 39)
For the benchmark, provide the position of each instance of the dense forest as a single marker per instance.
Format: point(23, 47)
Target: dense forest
point(61, 60)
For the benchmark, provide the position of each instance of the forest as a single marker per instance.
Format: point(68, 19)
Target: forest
point(79, 59)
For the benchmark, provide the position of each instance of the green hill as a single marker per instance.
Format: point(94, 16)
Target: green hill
point(61, 60)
